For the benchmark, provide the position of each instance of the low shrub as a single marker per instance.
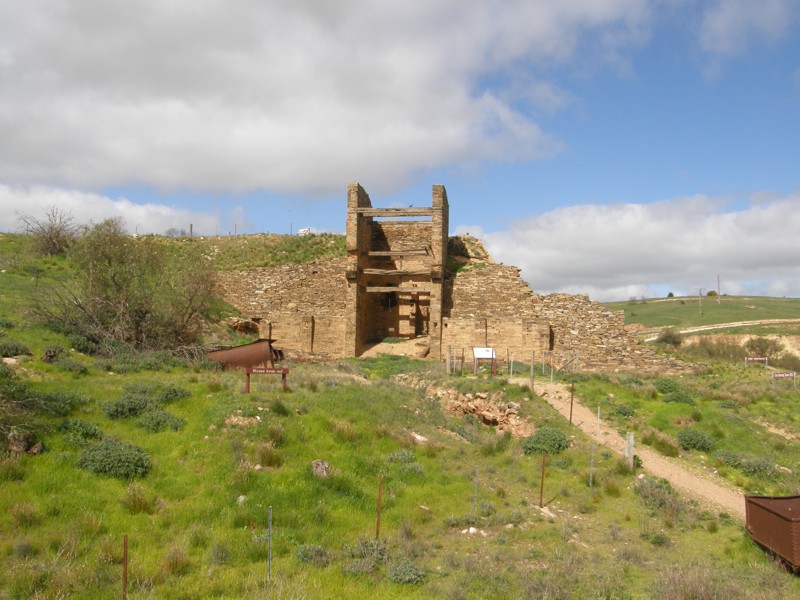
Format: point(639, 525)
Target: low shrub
point(670, 336)
point(71, 365)
point(279, 408)
point(114, 458)
point(157, 419)
point(681, 396)
point(666, 386)
point(694, 439)
point(367, 555)
point(80, 432)
point(402, 456)
point(545, 440)
point(10, 348)
point(751, 465)
point(624, 410)
point(59, 404)
point(138, 500)
point(312, 554)
point(661, 443)
point(657, 493)
point(126, 406)
point(404, 571)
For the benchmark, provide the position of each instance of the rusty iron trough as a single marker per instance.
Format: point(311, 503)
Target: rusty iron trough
point(247, 356)
point(257, 357)
point(774, 522)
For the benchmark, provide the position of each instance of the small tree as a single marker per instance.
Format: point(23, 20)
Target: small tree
point(133, 291)
point(53, 233)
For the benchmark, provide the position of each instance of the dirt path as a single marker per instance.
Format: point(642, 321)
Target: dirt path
point(689, 330)
point(714, 492)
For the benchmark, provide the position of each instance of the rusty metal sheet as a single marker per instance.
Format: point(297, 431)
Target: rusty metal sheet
point(247, 356)
point(774, 522)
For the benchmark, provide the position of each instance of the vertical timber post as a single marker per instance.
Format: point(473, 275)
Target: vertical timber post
point(571, 401)
point(541, 484)
point(380, 501)
point(124, 567)
point(629, 450)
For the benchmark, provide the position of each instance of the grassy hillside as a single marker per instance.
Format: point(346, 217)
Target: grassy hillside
point(197, 521)
point(686, 312)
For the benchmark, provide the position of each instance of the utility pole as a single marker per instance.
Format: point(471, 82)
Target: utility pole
point(700, 299)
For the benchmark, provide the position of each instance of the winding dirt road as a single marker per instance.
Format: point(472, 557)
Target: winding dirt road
point(706, 488)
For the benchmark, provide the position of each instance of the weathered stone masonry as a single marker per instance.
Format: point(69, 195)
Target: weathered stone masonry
point(395, 282)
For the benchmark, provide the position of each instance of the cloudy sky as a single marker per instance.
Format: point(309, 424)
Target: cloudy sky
point(612, 147)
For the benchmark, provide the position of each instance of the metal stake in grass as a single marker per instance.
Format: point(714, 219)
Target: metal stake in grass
point(269, 544)
point(475, 498)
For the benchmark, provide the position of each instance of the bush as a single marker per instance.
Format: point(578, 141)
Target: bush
point(681, 396)
point(157, 419)
point(138, 398)
point(59, 404)
point(404, 571)
point(623, 410)
point(670, 336)
point(545, 440)
point(72, 366)
point(53, 353)
point(10, 348)
point(114, 458)
point(756, 467)
point(80, 432)
point(666, 386)
point(368, 555)
point(315, 555)
point(694, 439)
point(656, 492)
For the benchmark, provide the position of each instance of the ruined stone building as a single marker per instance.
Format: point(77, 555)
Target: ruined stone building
point(404, 277)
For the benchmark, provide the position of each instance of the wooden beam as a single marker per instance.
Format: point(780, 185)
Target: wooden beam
point(400, 290)
point(396, 212)
point(390, 253)
point(396, 271)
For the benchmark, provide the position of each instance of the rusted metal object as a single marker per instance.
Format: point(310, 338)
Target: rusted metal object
point(257, 357)
point(774, 522)
point(254, 354)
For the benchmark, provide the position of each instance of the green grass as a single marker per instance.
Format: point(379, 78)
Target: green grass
point(197, 522)
point(685, 312)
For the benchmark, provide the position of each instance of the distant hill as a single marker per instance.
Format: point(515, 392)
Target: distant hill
point(756, 313)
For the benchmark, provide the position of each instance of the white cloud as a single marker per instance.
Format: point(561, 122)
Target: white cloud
point(293, 97)
point(729, 27)
point(88, 207)
point(618, 251)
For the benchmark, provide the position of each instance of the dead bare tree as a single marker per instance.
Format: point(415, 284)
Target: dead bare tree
point(52, 233)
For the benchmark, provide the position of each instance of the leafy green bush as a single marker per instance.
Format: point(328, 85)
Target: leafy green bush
point(157, 419)
point(367, 555)
point(404, 571)
point(6, 372)
point(140, 397)
point(126, 406)
point(80, 432)
point(681, 396)
point(751, 465)
point(655, 492)
point(72, 365)
point(10, 348)
point(59, 404)
point(666, 386)
point(623, 410)
point(694, 439)
point(402, 456)
point(115, 458)
point(545, 439)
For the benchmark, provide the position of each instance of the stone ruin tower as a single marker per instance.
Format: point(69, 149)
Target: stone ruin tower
point(396, 260)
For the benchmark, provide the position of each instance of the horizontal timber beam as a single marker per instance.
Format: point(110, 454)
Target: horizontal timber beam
point(390, 253)
point(399, 290)
point(395, 212)
point(396, 271)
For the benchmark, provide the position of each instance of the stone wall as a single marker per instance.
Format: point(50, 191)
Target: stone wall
point(300, 306)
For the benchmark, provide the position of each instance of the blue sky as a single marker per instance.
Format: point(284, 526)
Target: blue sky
point(616, 147)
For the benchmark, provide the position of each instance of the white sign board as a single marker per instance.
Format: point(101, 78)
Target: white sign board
point(483, 352)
